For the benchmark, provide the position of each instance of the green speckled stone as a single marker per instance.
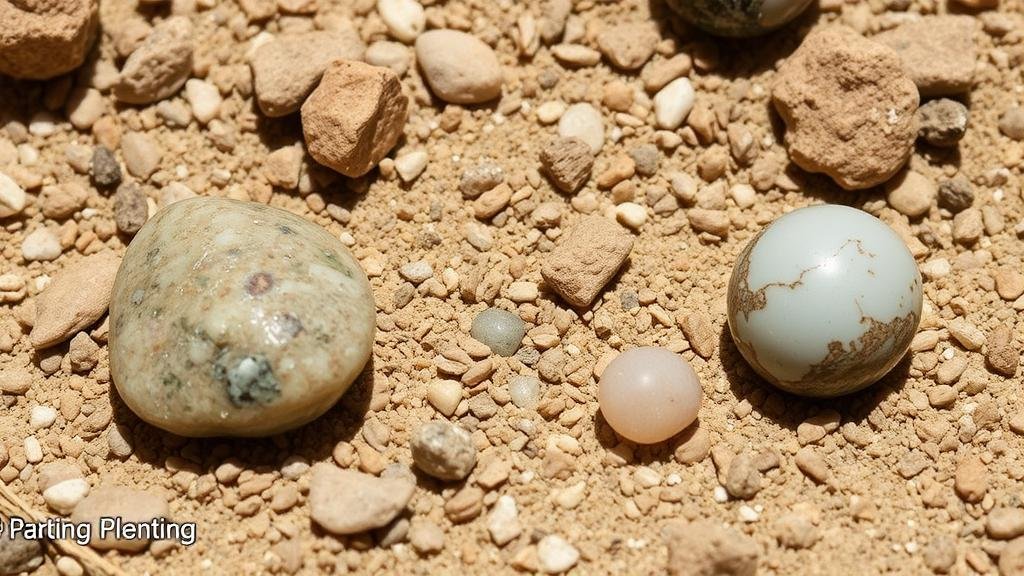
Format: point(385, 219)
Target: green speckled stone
point(738, 18)
point(233, 318)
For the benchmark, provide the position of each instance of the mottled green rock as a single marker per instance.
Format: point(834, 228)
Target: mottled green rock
point(738, 18)
point(233, 318)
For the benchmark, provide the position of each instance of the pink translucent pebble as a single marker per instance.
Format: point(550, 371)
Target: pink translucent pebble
point(649, 394)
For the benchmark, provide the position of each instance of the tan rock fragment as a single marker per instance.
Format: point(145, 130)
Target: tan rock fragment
point(348, 502)
point(848, 108)
point(45, 38)
point(75, 299)
point(587, 259)
point(287, 69)
point(354, 117)
point(159, 67)
point(568, 162)
point(707, 548)
point(937, 52)
point(127, 503)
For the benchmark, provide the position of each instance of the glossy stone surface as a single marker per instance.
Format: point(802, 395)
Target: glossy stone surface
point(738, 18)
point(236, 319)
point(824, 301)
point(649, 394)
point(501, 330)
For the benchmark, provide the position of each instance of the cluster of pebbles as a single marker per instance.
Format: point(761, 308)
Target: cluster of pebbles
point(217, 219)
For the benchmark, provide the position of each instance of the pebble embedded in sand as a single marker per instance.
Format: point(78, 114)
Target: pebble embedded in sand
point(501, 330)
point(443, 450)
point(824, 301)
point(233, 318)
point(848, 106)
point(460, 68)
point(649, 394)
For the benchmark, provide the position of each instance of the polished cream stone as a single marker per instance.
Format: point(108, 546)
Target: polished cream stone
point(233, 318)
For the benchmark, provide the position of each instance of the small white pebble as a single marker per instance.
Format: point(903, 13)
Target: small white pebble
point(556, 555)
point(410, 165)
point(672, 104)
point(748, 514)
point(62, 497)
point(33, 450)
point(204, 98)
point(68, 566)
point(42, 417)
point(550, 112)
point(405, 19)
point(43, 124)
point(721, 495)
point(416, 272)
point(631, 215)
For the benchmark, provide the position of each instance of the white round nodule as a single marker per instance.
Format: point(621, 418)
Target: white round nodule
point(649, 394)
point(824, 301)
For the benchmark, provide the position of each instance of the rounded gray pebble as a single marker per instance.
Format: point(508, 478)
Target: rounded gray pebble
point(943, 122)
point(501, 330)
point(443, 450)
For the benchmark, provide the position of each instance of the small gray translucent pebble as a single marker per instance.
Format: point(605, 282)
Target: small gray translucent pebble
point(443, 450)
point(501, 330)
point(19, 554)
point(524, 391)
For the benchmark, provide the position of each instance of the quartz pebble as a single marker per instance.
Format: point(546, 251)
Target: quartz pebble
point(63, 496)
point(500, 330)
point(411, 164)
point(587, 258)
point(75, 299)
point(848, 108)
point(459, 67)
point(443, 450)
point(142, 154)
point(159, 67)
point(445, 395)
point(649, 394)
point(40, 41)
point(287, 69)
point(129, 504)
point(503, 521)
point(313, 337)
point(405, 19)
point(354, 117)
point(583, 121)
point(204, 98)
point(556, 555)
point(42, 244)
point(12, 197)
point(349, 502)
point(673, 103)
point(524, 391)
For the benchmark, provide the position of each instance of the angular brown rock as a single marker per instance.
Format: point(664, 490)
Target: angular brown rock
point(587, 259)
point(848, 108)
point(75, 299)
point(354, 117)
point(40, 39)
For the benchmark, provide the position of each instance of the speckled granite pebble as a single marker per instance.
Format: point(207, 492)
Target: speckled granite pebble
point(237, 319)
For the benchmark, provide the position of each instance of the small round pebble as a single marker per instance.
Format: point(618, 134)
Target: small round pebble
point(730, 18)
point(238, 319)
point(524, 391)
point(649, 394)
point(500, 330)
point(443, 450)
point(824, 301)
point(943, 122)
point(106, 172)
